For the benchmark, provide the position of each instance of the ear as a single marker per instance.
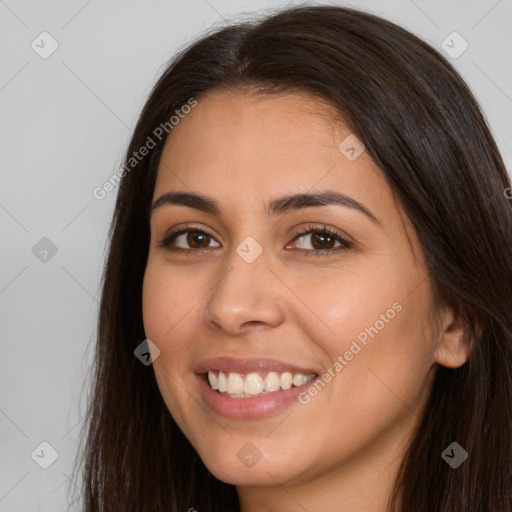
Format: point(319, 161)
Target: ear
point(454, 344)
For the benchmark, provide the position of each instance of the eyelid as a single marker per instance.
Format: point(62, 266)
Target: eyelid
point(343, 239)
point(173, 233)
point(321, 227)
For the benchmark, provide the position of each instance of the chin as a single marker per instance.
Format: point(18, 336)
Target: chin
point(250, 467)
point(262, 474)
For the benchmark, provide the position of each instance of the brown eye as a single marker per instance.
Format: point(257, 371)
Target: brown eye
point(321, 241)
point(197, 239)
point(317, 240)
point(189, 239)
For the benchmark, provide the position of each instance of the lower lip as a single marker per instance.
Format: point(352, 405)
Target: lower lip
point(250, 408)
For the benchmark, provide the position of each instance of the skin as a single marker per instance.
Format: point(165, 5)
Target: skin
point(342, 449)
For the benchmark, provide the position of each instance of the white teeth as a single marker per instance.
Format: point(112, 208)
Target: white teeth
point(212, 379)
point(286, 380)
point(272, 381)
point(235, 384)
point(253, 384)
point(221, 382)
point(297, 379)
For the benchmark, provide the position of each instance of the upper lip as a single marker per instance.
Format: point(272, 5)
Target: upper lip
point(248, 365)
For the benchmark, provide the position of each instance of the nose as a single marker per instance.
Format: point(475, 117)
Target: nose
point(246, 295)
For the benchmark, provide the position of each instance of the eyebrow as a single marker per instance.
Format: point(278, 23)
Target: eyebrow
point(278, 206)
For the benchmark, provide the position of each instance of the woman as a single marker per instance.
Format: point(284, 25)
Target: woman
point(311, 245)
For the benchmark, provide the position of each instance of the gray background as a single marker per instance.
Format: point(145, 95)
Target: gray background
point(65, 123)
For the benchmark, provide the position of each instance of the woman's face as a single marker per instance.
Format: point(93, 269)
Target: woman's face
point(271, 300)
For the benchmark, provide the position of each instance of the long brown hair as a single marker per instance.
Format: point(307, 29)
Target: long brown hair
point(424, 129)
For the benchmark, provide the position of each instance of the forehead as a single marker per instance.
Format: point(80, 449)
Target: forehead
point(237, 145)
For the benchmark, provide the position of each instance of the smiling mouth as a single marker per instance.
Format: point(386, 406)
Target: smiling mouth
point(255, 384)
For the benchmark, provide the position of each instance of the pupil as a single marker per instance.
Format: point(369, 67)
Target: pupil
point(195, 239)
point(326, 240)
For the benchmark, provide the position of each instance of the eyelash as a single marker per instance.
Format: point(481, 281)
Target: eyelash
point(324, 230)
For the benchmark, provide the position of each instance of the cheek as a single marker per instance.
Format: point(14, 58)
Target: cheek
point(168, 311)
point(340, 303)
point(167, 301)
point(376, 328)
